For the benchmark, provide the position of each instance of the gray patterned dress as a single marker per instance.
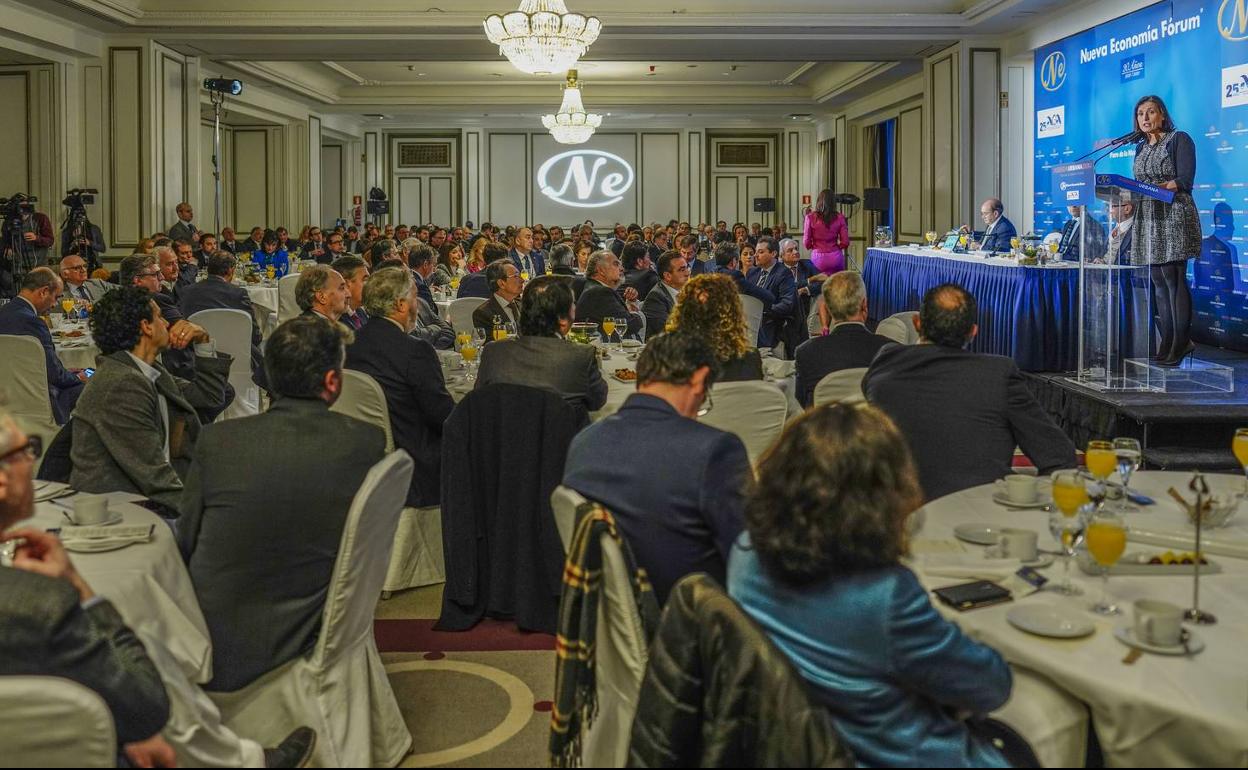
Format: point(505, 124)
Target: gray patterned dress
point(1164, 232)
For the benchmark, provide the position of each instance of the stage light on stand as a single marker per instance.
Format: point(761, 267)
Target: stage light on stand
point(223, 86)
point(218, 89)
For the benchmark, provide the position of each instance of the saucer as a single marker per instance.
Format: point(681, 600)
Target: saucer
point(1050, 620)
point(1040, 502)
point(1126, 634)
point(1041, 561)
point(979, 534)
point(115, 517)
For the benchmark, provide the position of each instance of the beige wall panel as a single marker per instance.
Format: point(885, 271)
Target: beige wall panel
point(944, 200)
point(660, 176)
point(250, 181)
point(170, 110)
point(14, 134)
point(509, 178)
point(126, 170)
point(332, 193)
point(909, 197)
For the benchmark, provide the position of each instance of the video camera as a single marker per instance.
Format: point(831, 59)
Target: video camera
point(17, 205)
point(79, 199)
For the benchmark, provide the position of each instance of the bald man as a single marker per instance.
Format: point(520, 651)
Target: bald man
point(76, 284)
point(997, 229)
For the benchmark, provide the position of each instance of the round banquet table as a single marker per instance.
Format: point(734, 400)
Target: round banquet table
point(148, 583)
point(262, 295)
point(1162, 711)
point(75, 352)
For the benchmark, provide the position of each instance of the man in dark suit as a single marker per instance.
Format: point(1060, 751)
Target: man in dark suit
point(563, 263)
point(848, 345)
point(688, 246)
point(184, 228)
point(1118, 250)
point(265, 504)
point(524, 257)
point(601, 298)
point(207, 247)
point(354, 270)
point(962, 413)
point(1071, 245)
point(658, 305)
point(423, 261)
point(218, 291)
point(228, 240)
point(638, 269)
point(658, 244)
point(997, 229)
point(37, 293)
point(252, 244)
point(772, 277)
point(504, 279)
point(541, 357)
point(408, 371)
point(679, 517)
point(796, 331)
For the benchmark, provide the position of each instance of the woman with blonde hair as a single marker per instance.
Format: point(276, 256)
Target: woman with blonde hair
point(710, 308)
point(476, 255)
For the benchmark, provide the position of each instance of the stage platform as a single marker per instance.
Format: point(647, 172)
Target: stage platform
point(1179, 431)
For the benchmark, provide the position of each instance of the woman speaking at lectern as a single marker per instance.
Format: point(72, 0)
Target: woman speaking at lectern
point(1166, 234)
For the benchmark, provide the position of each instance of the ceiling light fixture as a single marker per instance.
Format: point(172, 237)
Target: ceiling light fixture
point(572, 125)
point(542, 37)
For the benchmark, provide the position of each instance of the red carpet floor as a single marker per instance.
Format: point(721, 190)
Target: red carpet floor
point(488, 636)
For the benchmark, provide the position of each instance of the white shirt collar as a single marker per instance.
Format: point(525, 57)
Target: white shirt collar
point(149, 371)
point(1125, 225)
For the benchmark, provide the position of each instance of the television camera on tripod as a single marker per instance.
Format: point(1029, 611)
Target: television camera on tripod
point(78, 234)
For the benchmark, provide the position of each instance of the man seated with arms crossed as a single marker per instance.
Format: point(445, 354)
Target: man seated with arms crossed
point(962, 413)
point(673, 275)
point(21, 317)
point(76, 283)
point(188, 265)
point(541, 357)
point(848, 344)
point(266, 502)
point(602, 297)
point(218, 291)
point(679, 516)
point(506, 285)
point(136, 425)
point(321, 291)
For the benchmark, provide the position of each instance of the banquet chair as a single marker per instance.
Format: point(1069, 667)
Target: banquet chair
point(753, 308)
point(340, 687)
point(53, 722)
point(231, 331)
point(564, 501)
point(754, 410)
point(24, 383)
point(417, 556)
point(287, 308)
point(845, 385)
point(900, 328)
point(460, 313)
point(1054, 723)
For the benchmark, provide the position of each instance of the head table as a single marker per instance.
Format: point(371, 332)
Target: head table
point(1160, 710)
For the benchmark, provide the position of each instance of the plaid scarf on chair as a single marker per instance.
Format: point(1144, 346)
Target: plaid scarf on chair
point(576, 702)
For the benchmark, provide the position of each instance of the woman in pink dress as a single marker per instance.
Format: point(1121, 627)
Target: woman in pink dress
point(827, 235)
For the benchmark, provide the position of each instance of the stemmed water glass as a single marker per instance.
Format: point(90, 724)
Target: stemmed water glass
point(1070, 495)
point(621, 328)
point(1128, 453)
point(1106, 539)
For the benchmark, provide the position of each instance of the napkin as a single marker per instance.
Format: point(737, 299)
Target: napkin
point(970, 566)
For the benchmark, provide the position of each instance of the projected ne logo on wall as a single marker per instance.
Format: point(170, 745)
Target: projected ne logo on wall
point(580, 185)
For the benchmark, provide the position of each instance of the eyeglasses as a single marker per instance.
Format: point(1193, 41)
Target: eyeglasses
point(148, 273)
point(77, 268)
point(707, 405)
point(32, 449)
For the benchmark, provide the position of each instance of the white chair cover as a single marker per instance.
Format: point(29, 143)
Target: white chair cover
point(900, 328)
point(753, 308)
point(755, 411)
point(845, 385)
point(340, 688)
point(24, 384)
point(51, 722)
point(417, 558)
point(231, 331)
point(1054, 722)
point(287, 308)
point(619, 664)
point(564, 501)
point(460, 313)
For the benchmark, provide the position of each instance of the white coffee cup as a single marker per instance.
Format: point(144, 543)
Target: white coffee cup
point(1158, 622)
point(1021, 489)
point(1018, 544)
point(90, 510)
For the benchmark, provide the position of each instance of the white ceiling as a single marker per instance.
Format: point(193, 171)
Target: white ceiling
point(428, 60)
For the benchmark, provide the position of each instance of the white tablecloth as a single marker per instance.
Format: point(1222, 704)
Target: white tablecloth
point(262, 296)
point(74, 352)
point(1166, 711)
point(148, 583)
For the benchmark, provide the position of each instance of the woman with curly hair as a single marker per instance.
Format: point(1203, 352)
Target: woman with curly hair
point(476, 255)
point(709, 308)
point(819, 567)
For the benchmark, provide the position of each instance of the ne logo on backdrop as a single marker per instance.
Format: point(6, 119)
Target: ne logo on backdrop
point(1053, 71)
point(1233, 20)
point(586, 179)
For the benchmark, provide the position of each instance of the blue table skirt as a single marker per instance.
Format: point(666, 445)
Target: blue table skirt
point(1030, 314)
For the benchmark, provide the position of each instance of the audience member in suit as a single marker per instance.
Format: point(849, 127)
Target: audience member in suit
point(708, 308)
point(563, 263)
point(688, 246)
point(407, 369)
point(963, 413)
point(602, 298)
point(1071, 245)
point(638, 269)
point(503, 304)
point(1118, 250)
point(218, 291)
point(354, 270)
point(321, 291)
point(673, 273)
point(848, 344)
point(524, 256)
point(315, 248)
point(680, 516)
point(808, 281)
point(658, 244)
point(188, 265)
point(541, 357)
point(727, 262)
point(261, 546)
point(136, 425)
point(228, 240)
point(53, 624)
point(76, 285)
point(997, 229)
point(429, 327)
point(773, 278)
point(184, 228)
point(335, 248)
point(477, 284)
point(170, 272)
point(36, 295)
point(820, 569)
point(423, 261)
point(207, 247)
point(252, 244)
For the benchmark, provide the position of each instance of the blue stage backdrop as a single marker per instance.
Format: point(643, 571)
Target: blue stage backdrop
point(1194, 55)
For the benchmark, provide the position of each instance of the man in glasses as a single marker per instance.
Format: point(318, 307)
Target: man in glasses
point(76, 283)
point(673, 274)
point(36, 295)
point(335, 247)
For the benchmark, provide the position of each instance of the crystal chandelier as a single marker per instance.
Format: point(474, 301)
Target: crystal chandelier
point(572, 125)
point(542, 37)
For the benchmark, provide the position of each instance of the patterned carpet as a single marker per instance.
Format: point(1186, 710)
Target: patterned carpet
point(476, 699)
